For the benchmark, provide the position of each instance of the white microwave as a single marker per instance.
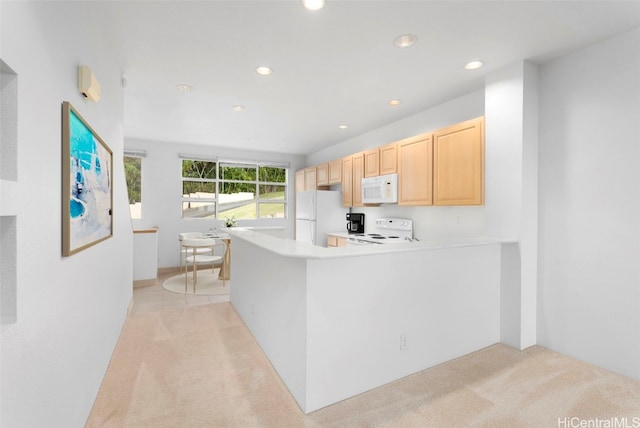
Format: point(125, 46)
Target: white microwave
point(382, 189)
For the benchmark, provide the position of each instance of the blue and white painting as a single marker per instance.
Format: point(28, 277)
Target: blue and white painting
point(91, 181)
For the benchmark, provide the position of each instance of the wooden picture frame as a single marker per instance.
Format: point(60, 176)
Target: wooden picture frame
point(87, 184)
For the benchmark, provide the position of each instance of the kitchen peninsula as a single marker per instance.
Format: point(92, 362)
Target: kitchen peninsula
point(336, 322)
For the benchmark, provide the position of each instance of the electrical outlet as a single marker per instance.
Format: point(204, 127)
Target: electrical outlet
point(403, 342)
point(458, 220)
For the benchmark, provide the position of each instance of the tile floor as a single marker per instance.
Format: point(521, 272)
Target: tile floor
point(155, 298)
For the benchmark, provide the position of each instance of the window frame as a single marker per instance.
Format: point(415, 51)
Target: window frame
point(219, 182)
point(138, 154)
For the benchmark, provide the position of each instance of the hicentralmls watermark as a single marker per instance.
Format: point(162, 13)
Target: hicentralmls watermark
point(614, 422)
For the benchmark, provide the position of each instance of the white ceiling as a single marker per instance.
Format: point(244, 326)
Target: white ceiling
point(334, 66)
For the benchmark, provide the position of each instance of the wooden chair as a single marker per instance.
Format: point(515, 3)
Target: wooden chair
point(191, 247)
point(183, 252)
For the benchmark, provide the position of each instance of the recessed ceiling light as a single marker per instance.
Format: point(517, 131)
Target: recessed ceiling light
point(264, 71)
point(405, 40)
point(343, 126)
point(184, 88)
point(473, 65)
point(394, 102)
point(237, 108)
point(313, 4)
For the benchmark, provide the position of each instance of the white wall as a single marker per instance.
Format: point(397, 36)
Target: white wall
point(69, 309)
point(503, 181)
point(589, 292)
point(162, 192)
point(443, 302)
point(504, 99)
point(429, 222)
point(271, 301)
point(511, 182)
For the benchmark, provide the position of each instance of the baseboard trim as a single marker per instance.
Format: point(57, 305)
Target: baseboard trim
point(144, 282)
point(130, 307)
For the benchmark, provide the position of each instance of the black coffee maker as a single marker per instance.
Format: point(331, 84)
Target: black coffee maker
point(355, 223)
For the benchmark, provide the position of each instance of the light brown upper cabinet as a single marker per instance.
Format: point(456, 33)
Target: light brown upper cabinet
point(381, 160)
point(322, 174)
point(335, 171)
point(372, 163)
point(310, 182)
point(445, 167)
point(299, 179)
point(415, 170)
point(352, 173)
point(458, 164)
point(347, 181)
point(358, 174)
point(389, 159)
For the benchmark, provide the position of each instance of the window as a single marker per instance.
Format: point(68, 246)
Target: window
point(199, 188)
point(133, 175)
point(239, 190)
point(272, 190)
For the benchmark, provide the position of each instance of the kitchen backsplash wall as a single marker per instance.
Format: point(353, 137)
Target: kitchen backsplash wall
point(432, 223)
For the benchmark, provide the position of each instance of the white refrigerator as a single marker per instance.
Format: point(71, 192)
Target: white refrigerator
point(319, 212)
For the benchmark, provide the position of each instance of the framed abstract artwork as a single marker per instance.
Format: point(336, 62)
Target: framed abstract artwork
point(87, 184)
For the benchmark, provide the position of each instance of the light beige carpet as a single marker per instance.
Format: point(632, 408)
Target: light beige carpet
point(200, 367)
point(208, 284)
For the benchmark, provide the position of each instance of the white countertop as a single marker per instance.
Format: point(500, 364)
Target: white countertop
point(259, 228)
point(296, 249)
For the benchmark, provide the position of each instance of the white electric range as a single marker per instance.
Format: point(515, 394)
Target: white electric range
point(390, 230)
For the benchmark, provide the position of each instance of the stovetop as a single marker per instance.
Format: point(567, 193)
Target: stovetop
point(380, 239)
point(376, 236)
point(389, 231)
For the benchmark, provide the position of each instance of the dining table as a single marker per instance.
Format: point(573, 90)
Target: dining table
point(225, 269)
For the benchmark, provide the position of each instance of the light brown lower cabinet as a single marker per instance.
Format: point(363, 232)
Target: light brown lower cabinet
point(336, 241)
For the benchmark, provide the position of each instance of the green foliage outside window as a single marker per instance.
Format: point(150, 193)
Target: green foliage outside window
point(240, 188)
point(201, 170)
point(198, 169)
point(132, 168)
point(133, 177)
